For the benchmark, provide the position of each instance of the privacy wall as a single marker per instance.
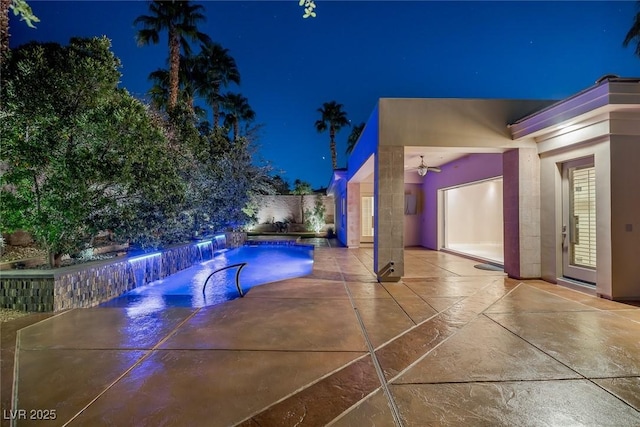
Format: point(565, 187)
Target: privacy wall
point(288, 207)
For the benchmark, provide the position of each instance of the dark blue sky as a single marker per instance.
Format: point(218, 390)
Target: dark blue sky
point(355, 52)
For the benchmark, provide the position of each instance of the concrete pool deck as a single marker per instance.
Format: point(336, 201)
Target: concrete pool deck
point(448, 345)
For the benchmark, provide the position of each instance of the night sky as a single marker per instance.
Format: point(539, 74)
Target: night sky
point(355, 52)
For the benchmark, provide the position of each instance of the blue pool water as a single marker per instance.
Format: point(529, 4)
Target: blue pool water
point(265, 263)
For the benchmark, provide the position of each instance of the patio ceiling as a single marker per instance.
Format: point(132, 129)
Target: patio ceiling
point(433, 156)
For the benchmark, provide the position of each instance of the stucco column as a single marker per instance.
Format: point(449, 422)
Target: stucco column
point(388, 242)
point(624, 221)
point(521, 201)
point(353, 215)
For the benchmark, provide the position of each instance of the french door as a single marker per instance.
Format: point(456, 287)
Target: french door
point(366, 219)
point(579, 220)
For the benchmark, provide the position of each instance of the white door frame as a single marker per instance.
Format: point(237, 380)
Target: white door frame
point(570, 226)
point(363, 237)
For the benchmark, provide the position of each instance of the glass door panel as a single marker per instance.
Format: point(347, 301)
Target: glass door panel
point(579, 220)
point(366, 220)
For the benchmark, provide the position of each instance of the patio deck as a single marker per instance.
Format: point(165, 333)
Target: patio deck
point(449, 345)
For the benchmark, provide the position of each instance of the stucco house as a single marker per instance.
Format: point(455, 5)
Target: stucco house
point(548, 189)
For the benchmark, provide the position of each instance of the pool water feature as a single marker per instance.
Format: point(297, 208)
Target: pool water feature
point(265, 263)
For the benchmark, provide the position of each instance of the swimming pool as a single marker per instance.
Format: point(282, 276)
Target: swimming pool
point(265, 263)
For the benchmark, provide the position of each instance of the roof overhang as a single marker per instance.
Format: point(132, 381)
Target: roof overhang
point(614, 94)
point(334, 184)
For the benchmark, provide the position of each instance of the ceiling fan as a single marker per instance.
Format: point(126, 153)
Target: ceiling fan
point(423, 169)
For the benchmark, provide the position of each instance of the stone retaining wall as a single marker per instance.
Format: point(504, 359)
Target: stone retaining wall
point(27, 293)
point(90, 284)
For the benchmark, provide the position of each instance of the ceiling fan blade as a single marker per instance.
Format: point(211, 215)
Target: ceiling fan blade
point(434, 169)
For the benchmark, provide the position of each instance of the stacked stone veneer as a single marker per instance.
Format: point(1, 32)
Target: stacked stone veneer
point(90, 284)
point(27, 293)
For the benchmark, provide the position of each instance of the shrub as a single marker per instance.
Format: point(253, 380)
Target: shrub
point(314, 219)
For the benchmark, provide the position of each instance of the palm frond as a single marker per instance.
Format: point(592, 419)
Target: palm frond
point(634, 35)
point(147, 36)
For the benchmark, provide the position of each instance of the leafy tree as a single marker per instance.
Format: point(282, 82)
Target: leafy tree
point(332, 118)
point(232, 192)
point(79, 154)
point(20, 8)
point(180, 20)
point(261, 185)
point(222, 179)
point(356, 131)
point(309, 8)
point(216, 69)
point(280, 185)
point(223, 184)
point(633, 35)
point(237, 109)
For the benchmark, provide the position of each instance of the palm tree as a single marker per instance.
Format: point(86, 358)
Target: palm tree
point(237, 110)
point(334, 119)
point(301, 188)
point(159, 92)
point(216, 69)
point(179, 19)
point(187, 86)
point(634, 34)
point(356, 131)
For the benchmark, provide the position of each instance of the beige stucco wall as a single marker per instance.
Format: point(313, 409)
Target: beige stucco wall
point(625, 216)
point(282, 207)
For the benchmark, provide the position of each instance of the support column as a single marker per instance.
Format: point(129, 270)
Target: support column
point(353, 215)
point(624, 222)
point(388, 242)
point(521, 201)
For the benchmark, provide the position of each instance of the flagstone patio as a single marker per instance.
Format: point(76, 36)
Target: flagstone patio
point(448, 345)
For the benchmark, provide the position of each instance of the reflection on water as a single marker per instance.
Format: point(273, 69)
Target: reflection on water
point(145, 306)
point(184, 289)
